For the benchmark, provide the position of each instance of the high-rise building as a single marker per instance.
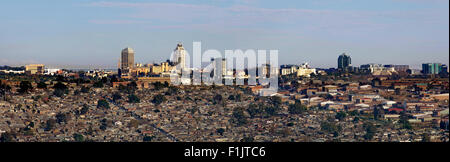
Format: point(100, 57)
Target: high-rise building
point(344, 61)
point(34, 69)
point(127, 61)
point(398, 67)
point(444, 68)
point(431, 68)
point(224, 67)
point(180, 56)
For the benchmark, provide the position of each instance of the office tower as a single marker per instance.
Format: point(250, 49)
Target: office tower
point(431, 68)
point(444, 68)
point(127, 60)
point(398, 67)
point(224, 67)
point(344, 61)
point(34, 69)
point(180, 56)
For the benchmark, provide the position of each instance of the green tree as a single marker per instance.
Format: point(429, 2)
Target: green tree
point(217, 99)
point(133, 99)
point(116, 96)
point(370, 131)
point(238, 117)
point(102, 103)
point(231, 97)
point(404, 123)
point(158, 99)
point(247, 139)
point(4, 88)
point(25, 86)
point(158, 86)
point(61, 117)
point(98, 84)
point(84, 89)
point(220, 131)
point(296, 108)
point(50, 124)
point(84, 110)
point(253, 110)
point(426, 137)
point(341, 115)
point(148, 138)
point(6, 137)
point(41, 85)
point(60, 86)
point(78, 137)
point(276, 100)
point(58, 92)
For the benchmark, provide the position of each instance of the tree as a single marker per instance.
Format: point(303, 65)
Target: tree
point(41, 85)
point(231, 97)
point(50, 124)
point(238, 97)
point(134, 123)
point(25, 86)
point(217, 98)
point(271, 111)
point(238, 117)
point(296, 108)
point(85, 89)
point(247, 139)
point(6, 137)
point(78, 137)
point(58, 92)
point(98, 84)
point(132, 86)
point(340, 115)
point(84, 110)
point(4, 88)
point(103, 104)
point(116, 96)
point(276, 100)
point(220, 131)
point(133, 99)
point(158, 99)
point(60, 86)
point(148, 138)
point(60, 117)
point(253, 110)
point(330, 127)
point(426, 137)
point(158, 86)
point(404, 123)
point(370, 131)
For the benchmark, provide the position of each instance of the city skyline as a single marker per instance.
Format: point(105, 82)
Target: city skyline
point(83, 33)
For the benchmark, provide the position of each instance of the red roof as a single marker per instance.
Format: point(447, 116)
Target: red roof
point(395, 109)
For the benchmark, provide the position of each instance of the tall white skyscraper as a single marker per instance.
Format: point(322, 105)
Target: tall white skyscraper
point(180, 56)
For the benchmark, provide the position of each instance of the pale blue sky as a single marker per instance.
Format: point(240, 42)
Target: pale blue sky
point(91, 33)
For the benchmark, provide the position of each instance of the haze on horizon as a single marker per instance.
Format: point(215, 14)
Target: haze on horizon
point(92, 33)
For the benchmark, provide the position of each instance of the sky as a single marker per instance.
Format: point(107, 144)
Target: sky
point(92, 33)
